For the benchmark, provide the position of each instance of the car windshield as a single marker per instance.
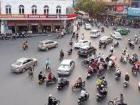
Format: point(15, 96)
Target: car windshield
point(66, 66)
point(18, 63)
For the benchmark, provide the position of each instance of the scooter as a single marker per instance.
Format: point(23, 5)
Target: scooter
point(139, 86)
point(117, 76)
point(81, 100)
point(53, 81)
point(125, 84)
point(62, 84)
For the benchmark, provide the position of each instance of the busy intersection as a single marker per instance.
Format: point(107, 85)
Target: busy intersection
point(20, 89)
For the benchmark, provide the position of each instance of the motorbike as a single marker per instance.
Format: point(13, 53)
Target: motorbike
point(25, 46)
point(117, 76)
point(123, 59)
point(101, 95)
point(91, 72)
point(62, 84)
point(77, 87)
point(134, 71)
point(139, 86)
point(116, 44)
point(53, 81)
point(131, 45)
point(81, 100)
point(133, 59)
point(54, 102)
point(125, 84)
point(41, 81)
point(70, 52)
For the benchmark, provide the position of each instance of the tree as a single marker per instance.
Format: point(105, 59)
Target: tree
point(91, 7)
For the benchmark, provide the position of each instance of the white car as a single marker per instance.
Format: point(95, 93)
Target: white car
point(87, 26)
point(66, 67)
point(47, 44)
point(95, 33)
point(116, 35)
point(22, 64)
point(82, 43)
point(106, 39)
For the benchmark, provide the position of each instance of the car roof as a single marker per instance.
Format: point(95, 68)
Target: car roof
point(94, 30)
point(85, 47)
point(104, 37)
point(66, 61)
point(44, 41)
point(22, 59)
point(83, 40)
point(117, 33)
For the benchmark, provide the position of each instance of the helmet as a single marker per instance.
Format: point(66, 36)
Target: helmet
point(136, 36)
point(50, 95)
point(79, 78)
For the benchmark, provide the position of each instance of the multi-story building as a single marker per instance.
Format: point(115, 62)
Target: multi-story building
point(36, 15)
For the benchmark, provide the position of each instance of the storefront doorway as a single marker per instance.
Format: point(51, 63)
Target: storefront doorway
point(34, 28)
point(57, 27)
point(22, 29)
point(46, 29)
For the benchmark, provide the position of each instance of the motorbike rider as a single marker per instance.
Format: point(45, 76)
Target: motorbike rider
point(70, 51)
point(127, 78)
point(52, 100)
point(25, 44)
point(118, 73)
point(61, 54)
point(41, 77)
point(50, 76)
point(79, 82)
point(83, 93)
point(47, 64)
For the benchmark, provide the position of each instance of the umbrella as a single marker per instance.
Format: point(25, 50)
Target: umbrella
point(114, 58)
point(137, 63)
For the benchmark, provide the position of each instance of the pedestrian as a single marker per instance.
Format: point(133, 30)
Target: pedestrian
point(82, 37)
point(111, 49)
point(30, 72)
point(77, 36)
point(48, 64)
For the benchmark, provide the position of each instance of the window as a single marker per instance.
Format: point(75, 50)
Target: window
point(21, 9)
point(58, 10)
point(8, 9)
point(46, 9)
point(34, 9)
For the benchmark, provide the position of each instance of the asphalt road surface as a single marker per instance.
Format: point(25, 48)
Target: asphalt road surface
point(21, 90)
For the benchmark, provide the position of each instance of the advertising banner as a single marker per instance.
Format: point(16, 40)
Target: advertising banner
point(133, 11)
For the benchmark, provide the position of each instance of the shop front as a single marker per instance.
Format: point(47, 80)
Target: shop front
point(37, 23)
point(134, 16)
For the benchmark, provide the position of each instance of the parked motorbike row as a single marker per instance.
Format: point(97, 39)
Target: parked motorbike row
point(8, 36)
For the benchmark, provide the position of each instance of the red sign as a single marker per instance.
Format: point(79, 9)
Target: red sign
point(38, 17)
point(119, 8)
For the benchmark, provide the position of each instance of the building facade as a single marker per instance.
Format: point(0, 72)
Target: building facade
point(36, 15)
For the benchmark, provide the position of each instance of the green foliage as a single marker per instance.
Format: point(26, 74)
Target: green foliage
point(90, 6)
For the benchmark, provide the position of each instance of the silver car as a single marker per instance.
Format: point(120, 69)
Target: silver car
point(47, 44)
point(66, 67)
point(22, 64)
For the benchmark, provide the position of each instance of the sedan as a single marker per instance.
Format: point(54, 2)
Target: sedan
point(82, 43)
point(123, 31)
point(87, 26)
point(22, 64)
point(116, 35)
point(66, 67)
point(47, 44)
point(86, 51)
point(95, 33)
point(106, 39)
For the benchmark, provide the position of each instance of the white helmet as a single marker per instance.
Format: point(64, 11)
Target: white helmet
point(50, 95)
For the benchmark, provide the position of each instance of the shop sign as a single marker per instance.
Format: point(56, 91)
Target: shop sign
point(38, 17)
point(133, 11)
point(119, 8)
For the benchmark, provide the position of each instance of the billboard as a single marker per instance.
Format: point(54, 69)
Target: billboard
point(133, 11)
